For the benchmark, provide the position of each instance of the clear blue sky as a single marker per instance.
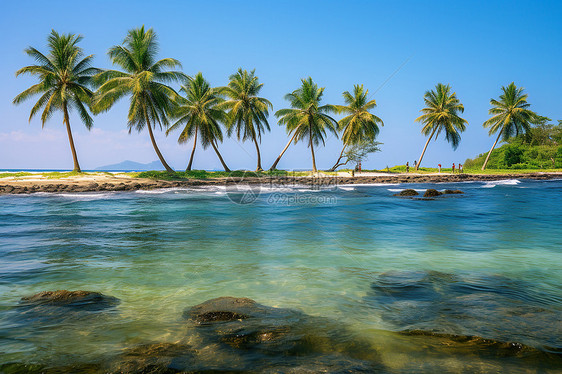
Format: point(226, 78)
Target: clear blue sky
point(476, 46)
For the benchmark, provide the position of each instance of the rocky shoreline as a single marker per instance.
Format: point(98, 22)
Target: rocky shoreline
point(75, 185)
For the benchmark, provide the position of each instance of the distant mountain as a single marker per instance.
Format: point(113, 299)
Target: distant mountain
point(132, 166)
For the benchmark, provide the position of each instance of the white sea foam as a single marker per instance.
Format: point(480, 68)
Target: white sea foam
point(402, 189)
point(85, 196)
point(160, 191)
point(368, 185)
point(503, 182)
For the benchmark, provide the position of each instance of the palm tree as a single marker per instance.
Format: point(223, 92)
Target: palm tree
point(200, 115)
point(307, 119)
point(247, 112)
point(442, 114)
point(359, 126)
point(64, 78)
point(144, 79)
point(511, 115)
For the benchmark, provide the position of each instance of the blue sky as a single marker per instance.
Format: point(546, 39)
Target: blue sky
point(476, 46)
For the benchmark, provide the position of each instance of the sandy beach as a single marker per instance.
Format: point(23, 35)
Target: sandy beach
point(124, 182)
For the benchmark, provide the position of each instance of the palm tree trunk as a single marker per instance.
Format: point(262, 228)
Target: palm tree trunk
point(489, 153)
point(193, 151)
point(259, 168)
point(424, 148)
point(71, 140)
point(166, 166)
point(220, 157)
point(337, 164)
point(283, 152)
point(314, 170)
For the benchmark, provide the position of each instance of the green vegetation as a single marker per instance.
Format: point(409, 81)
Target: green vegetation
point(200, 114)
point(519, 155)
point(511, 117)
point(442, 114)
point(144, 79)
point(48, 175)
point(306, 118)
point(64, 81)
point(15, 175)
point(359, 128)
point(537, 148)
point(248, 112)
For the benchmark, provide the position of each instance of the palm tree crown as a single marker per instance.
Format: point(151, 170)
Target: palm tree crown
point(64, 81)
point(306, 118)
point(511, 115)
point(199, 114)
point(442, 114)
point(247, 111)
point(359, 125)
point(144, 79)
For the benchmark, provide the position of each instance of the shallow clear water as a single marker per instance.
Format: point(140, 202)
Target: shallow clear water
point(486, 263)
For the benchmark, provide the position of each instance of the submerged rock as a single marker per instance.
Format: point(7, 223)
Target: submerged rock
point(85, 300)
point(489, 306)
point(265, 337)
point(407, 192)
point(485, 348)
point(431, 192)
point(224, 309)
point(155, 359)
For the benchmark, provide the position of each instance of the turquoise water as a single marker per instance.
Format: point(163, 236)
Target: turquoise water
point(487, 263)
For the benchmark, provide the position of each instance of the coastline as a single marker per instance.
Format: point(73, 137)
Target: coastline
point(124, 182)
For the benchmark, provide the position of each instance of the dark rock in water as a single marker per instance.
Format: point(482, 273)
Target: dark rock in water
point(84, 300)
point(490, 306)
point(223, 309)
point(431, 193)
point(160, 358)
point(263, 337)
point(452, 192)
point(407, 192)
point(486, 348)
point(22, 368)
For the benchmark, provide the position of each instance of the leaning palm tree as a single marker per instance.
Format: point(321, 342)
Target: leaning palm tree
point(144, 79)
point(247, 112)
point(442, 114)
point(511, 115)
point(64, 81)
point(359, 126)
point(306, 118)
point(200, 115)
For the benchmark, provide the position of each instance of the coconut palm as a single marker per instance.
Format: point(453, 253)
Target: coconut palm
point(199, 114)
point(64, 81)
point(510, 115)
point(247, 112)
point(144, 79)
point(359, 126)
point(306, 118)
point(442, 114)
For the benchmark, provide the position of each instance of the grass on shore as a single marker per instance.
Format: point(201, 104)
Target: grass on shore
point(474, 171)
point(203, 174)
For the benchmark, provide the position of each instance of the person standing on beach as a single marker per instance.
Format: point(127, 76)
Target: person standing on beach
point(407, 167)
point(439, 165)
point(460, 167)
point(453, 168)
